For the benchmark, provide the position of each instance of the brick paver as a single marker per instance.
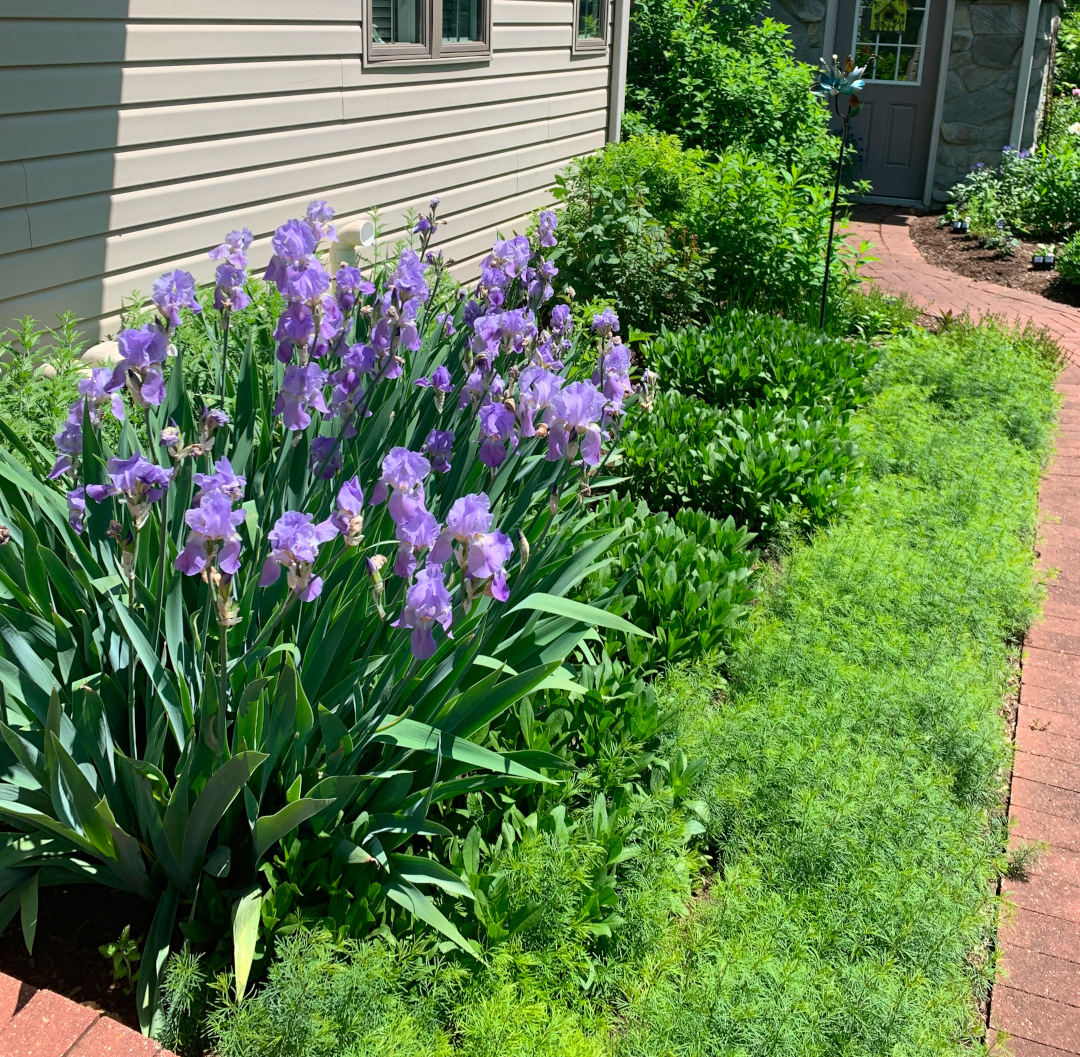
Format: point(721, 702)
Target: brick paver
point(43, 1024)
point(1035, 1009)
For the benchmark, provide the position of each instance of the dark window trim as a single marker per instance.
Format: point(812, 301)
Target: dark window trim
point(591, 45)
point(435, 49)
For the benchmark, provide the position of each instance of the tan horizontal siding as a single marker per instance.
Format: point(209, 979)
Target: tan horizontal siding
point(133, 135)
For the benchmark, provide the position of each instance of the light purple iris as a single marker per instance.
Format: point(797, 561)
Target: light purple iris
point(480, 389)
point(423, 226)
point(574, 417)
point(348, 515)
point(480, 552)
point(143, 351)
point(68, 441)
point(326, 457)
point(234, 249)
point(97, 391)
point(229, 292)
point(222, 482)
point(351, 284)
point(606, 322)
point(437, 447)
point(496, 428)
point(561, 321)
point(537, 390)
point(403, 474)
point(295, 327)
point(172, 292)
point(212, 418)
point(301, 391)
point(295, 541)
point(540, 278)
point(294, 245)
point(407, 281)
point(545, 226)
point(508, 259)
point(213, 524)
point(137, 480)
point(414, 537)
point(76, 506)
point(446, 321)
point(319, 216)
point(439, 381)
point(427, 602)
point(617, 383)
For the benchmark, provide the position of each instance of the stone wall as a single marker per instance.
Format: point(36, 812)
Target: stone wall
point(806, 22)
point(980, 89)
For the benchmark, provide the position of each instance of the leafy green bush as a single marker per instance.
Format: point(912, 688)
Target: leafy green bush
point(688, 580)
point(769, 467)
point(1068, 260)
point(666, 233)
point(715, 76)
point(752, 357)
point(1067, 56)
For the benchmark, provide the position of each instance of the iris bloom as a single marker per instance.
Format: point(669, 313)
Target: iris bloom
point(427, 602)
point(295, 541)
point(213, 524)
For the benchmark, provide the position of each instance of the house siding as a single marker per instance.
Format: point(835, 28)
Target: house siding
point(135, 133)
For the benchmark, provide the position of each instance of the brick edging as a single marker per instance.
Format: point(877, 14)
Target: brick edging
point(37, 1023)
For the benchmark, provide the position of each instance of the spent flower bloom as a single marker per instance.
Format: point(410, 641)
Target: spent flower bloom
point(326, 457)
point(295, 541)
point(301, 391)
point(173, 291)
point(427, 602)
point(213, 524)
point(76, 506)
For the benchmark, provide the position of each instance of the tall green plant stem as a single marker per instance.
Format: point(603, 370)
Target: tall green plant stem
point(225, 355)
point(832, 215)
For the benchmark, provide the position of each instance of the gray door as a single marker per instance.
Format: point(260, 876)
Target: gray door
point(899, 42)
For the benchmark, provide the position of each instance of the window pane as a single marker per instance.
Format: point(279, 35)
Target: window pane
point(588, 24)
point(461, 20)
point(397, 22)
point(888, 38)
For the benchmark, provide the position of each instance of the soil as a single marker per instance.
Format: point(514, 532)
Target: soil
point(963, 254)
point(72, 923)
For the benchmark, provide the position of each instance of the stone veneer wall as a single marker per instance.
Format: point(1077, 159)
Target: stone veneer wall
point(805, 20)
point(980, 90)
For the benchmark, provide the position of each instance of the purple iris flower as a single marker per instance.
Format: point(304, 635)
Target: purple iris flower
point(351, 284)
point(229, 292)
point(76, 505)
point(172, 292)
point(575, 416)
point(301, 390)
point(68, 441)
point(545, 226)
point(293, 244)
point(143, 352)
point(537, 389)
point(213, 524)
point(211, 418)
point(139, 481)
point(326, 457)
point(560, 319)
point(438, 447)
point(479, 389)
point(440, 381)
point(446, 321)
point(170, 437)
point(423, 226)
point(319, 216)
point(222, 482)
point(427, 602)
point(415, 536)
point(408, 280)
point(496, 428)
point(348, 515)
point(403, 474)
point(234, 249)
point(295, 541)
point(97, 391)
point(481, 553)
point(606, 323)
point(540, 288)
point(616, 374)
point(508, 259)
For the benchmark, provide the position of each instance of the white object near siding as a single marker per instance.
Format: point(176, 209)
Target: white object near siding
point(135, 133)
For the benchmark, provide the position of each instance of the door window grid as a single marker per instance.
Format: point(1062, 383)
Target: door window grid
point(890, 56)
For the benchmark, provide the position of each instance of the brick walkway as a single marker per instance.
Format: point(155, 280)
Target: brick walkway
point(1036, 1001)
point(43, 1024)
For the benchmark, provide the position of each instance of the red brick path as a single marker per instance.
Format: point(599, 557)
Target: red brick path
point(42, 1024)
point(1035, 1010)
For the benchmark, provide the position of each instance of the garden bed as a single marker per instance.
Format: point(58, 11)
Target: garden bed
point(963, 254)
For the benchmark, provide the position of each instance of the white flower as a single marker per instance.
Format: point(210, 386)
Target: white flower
point(1074, 128)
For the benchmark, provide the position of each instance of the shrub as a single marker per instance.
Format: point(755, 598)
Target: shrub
point(719, 79)
point(769, 467)
point(666, 233)
point(1067, 56)
point(1068, 260)
point(185, 723)
point(750, 358)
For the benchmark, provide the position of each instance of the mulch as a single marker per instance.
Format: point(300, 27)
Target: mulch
point(73, 922)
point(963, 254)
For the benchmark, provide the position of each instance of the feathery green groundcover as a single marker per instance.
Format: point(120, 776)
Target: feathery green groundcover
point(837, 901)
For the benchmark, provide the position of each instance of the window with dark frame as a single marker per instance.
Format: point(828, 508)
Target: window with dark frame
point(590, 25)
point(405, 30)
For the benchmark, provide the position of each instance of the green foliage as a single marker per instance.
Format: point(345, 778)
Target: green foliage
point(868, 312)
point(666, 233)
point(39, 376)
point(770, 467)
point(721, 80)
point(1067, 56)
point(123, 952)
point(1068, 260)
point(752, 358)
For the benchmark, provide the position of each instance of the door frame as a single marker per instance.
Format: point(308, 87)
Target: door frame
point(939, 100)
